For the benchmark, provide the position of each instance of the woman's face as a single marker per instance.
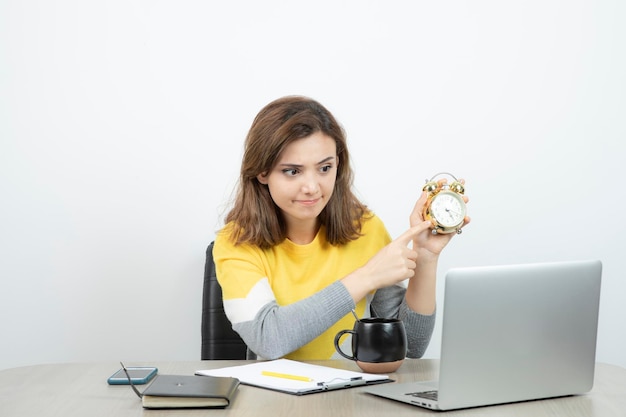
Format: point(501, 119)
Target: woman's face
point(303, 179)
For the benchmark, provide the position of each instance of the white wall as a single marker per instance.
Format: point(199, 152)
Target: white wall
point(122, 123)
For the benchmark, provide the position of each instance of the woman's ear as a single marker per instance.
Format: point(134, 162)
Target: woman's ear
point(262, 178)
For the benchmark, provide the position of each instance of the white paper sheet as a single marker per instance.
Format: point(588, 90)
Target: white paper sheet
point(323, 378)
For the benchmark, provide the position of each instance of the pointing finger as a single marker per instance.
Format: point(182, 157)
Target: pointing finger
point(406, 237)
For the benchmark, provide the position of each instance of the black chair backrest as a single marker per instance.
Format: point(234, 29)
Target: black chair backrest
point(219, 340)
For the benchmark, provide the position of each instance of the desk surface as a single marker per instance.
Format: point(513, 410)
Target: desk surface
point(80, 389)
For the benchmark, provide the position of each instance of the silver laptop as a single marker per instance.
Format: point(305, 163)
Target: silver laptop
point(512, 333)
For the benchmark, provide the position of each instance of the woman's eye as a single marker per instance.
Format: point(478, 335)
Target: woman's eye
point(290, 172)
point(326, 168)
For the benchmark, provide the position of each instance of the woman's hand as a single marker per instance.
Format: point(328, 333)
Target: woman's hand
point(394, 263)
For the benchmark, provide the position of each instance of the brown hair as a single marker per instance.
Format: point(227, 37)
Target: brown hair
point(255, 217)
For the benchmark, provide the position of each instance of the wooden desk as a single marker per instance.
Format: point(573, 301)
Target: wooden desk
point(80, 389)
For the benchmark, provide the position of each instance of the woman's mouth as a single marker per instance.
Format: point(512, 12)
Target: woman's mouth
point(308, 202)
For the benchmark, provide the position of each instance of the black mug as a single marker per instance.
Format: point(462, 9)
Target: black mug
point(379, 345)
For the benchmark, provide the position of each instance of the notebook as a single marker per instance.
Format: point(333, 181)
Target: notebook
point(189, 391)
point(512, 333)
point(295, 377)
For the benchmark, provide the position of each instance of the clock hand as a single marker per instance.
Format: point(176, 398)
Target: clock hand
point(449, 210)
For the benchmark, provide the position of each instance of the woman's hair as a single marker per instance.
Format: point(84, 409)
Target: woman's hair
point(255, 217)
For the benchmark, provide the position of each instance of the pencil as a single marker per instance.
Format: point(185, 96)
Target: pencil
point(286, 376)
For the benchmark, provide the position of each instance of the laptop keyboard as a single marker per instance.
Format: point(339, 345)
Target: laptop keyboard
point(429, 395)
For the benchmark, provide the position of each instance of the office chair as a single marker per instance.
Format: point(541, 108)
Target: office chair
point(219, 340)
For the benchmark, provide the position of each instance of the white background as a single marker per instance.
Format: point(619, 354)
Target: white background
point(122, 124)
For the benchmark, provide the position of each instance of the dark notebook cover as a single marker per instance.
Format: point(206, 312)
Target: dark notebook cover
point(189, 391)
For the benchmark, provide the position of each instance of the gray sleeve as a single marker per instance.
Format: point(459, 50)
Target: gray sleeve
point(390, 302)
point(277, 331)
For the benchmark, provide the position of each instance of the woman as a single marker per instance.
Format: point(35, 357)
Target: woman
point(299, 251)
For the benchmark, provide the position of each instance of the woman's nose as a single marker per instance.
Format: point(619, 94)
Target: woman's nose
point(310, 184)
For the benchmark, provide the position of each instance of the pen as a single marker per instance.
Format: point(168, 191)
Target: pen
point(286, 376)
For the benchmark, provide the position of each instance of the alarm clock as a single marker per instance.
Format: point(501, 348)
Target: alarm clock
point(445, 207)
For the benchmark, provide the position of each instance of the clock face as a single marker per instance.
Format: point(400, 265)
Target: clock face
point(448, 208)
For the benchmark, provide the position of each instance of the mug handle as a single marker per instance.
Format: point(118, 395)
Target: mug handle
point(341, 333)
